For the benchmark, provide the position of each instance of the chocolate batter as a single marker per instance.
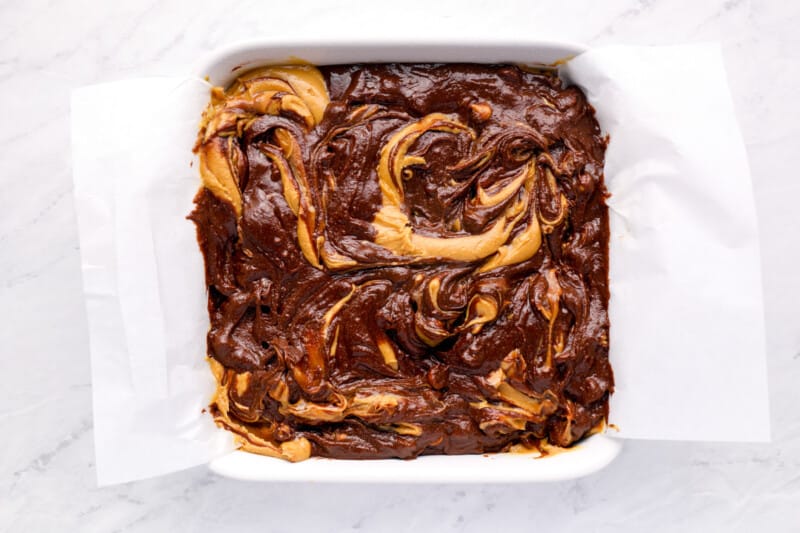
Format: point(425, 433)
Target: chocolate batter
point(404, 260)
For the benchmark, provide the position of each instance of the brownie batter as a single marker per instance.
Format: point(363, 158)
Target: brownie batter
point(404, 260)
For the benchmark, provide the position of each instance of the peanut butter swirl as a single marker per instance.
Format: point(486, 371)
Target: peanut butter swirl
point(404, 260)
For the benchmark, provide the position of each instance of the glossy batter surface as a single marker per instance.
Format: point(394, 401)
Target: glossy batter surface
point(404, 259)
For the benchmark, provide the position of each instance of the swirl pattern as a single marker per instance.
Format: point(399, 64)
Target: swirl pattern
point(404, 259)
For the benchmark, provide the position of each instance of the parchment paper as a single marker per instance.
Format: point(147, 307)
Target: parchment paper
point(687, 327)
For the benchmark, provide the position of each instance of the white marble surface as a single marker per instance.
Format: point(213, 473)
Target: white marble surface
point(47, 480)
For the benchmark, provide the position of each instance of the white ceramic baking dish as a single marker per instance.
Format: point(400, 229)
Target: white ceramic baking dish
point(221, 67)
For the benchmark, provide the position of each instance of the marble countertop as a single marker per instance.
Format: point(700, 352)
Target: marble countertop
point(47, 478)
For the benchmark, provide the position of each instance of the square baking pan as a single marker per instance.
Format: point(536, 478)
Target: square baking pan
point(590, 455)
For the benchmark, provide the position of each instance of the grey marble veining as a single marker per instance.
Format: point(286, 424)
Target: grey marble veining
point(47, 478)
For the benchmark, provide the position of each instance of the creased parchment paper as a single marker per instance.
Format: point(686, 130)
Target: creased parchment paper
point(687, 326)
